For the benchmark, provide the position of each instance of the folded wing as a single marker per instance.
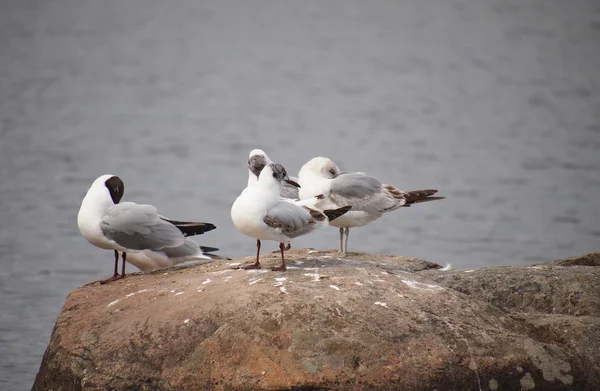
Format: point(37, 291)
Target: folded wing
point(364, 193)
point(139, 227)
point(293, 220)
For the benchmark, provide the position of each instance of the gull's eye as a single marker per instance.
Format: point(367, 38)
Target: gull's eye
point(332, 171)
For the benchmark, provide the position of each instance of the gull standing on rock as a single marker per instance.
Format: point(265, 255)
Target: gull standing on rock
point(145, 238)
point(260, 213)
point(369, 198)
point(257, 160)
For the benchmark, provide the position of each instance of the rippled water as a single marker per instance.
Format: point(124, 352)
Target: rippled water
point(496, 103)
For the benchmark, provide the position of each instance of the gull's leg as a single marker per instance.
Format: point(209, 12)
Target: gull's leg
point(281, 268)
point(115, 275)
point(123, 258)
point(289, 246)
point(341, 239)
point(255, 265)
point(346, 242)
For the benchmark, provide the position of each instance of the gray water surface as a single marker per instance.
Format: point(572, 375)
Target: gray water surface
point(495, 103)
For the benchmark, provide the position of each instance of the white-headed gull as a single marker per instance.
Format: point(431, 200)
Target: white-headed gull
point(369, 198)
point(260, 213)
point(145, 238)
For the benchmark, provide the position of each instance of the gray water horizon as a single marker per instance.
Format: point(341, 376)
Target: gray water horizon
point(494, 103)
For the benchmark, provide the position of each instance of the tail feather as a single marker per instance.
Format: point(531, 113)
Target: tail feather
point(208, 252)
point(190, 228)
point(418, 196)
point(205, 249)
point(333, 214)
point(214, 256)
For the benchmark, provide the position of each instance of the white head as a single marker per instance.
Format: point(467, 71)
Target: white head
point(321, 167)
point(273, 175)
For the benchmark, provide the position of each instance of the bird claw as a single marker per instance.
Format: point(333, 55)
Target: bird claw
point(253, 266)
point(111, 279)
point(279, 268)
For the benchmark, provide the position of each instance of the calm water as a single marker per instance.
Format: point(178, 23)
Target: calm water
point(496, 103)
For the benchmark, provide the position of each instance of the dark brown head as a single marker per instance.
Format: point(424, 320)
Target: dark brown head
point(116, 188)
point(256, 163)
point(280, 174)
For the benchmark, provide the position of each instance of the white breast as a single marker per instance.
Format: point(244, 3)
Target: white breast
point(89, 219)
point(249, 211)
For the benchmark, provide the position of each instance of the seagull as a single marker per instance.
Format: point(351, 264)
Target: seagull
point(260, 213)
point(257, 160)
point(145, 238)
point(369, 198)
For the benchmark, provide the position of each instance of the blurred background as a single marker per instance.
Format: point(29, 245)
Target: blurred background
point(495, 103)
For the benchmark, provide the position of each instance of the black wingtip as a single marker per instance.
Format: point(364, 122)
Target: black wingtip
point(333, 214)
point(196, 229)
point(208, 249)
point(190, 228)
point(419, 196)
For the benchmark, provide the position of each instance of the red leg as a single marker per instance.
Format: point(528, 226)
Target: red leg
point(281, 268)
point(115, 275)
point(255, 265)
point(123, 258)
point(289, 246)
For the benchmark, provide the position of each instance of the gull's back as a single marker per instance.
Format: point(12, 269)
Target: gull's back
point(139, 227)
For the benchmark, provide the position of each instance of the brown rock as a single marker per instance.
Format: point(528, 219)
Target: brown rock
point(367, 322)
point(592, 259)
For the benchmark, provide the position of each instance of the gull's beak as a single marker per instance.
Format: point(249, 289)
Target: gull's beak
point(291, 182)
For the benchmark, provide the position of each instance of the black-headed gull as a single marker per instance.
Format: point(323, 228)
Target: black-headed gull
point(145, 238)
point(260, 213)
point(369, 198)
point(257, 160)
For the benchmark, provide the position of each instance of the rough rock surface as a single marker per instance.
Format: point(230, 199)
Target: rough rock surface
point(366, 322)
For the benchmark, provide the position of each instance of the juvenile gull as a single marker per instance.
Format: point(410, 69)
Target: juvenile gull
point(260, 213)
point(369, 198)
point(257, 160)
point(145, 238)
point(288, 191)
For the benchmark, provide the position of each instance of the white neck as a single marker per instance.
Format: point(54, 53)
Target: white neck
point(270, 184)
point(252, 179)
point(94, 204)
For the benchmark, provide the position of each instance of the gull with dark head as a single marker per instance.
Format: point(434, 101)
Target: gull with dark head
point(288, 191)
point(257, 160)
point(369, 198)
point(260, 213)
point(146, 239)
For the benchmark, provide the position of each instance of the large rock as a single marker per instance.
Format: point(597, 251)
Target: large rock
point(367, 322)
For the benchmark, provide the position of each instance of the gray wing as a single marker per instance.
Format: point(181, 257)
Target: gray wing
point(289, 191)
point(189, 248)
point(293, 220)
point(363, 193)
point(139, 227)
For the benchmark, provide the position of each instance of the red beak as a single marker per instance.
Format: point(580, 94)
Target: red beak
point(291, 182)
